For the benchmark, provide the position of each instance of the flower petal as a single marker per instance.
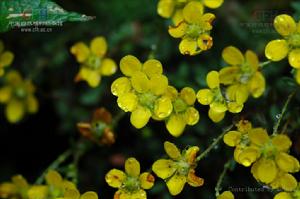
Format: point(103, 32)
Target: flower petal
point(213, 3)
point(287, 163)
point(252, 60)
point(152, 67)
point(228, 75)
point(140, 82)
point(158, 84)
point(205, 96)
point(163, 107)
point(285, 25)
point(188, 46)
point(188, 95)
point(194, 180)
point(232, 138)
point(226, 195)
point(89, 195)
point(14, 111)
point(282, 142)
point(283, 195)
point(81, 51)
point(115, 178)
point(257, 85)
point(165, 8)
point(191, 154)
point(99, 46)
point(129, 65)
point(172, 150)
point(266, 170)
point(215, 116)
point(32, 104)
point(294, 58)
point(288, 182)
point(213, 80)
point(191, 116)
point(140, 117)
point(108, 67)
point(233, 56)
point(258, 136)
point(147, 180)
point(176, 124)
point(176, 184)
point(179, 30)
point(164, 168)
point(6, 59)
point(132, 167)
point(193, 12)
point(128, 101)
point(277, 50)
point(120, 86)
point(5, 94)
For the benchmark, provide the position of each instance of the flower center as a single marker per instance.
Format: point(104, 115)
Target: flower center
point(179, 105)
point(93, 62)
point(268, 150)
point(98, 128)
point(147, 100)
point(194, 30)
point(246, 73)
point(131, 184)
point(294, 40)
point(183, 167)
point(20, 92)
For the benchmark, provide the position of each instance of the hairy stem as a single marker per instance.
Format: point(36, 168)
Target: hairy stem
point(221, 177)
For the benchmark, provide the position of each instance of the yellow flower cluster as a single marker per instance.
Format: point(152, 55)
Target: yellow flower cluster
point(192, 24)
point(295, 194)
point(226, 195)
point(55, 188)
point(230, 88)
point(145, 92)
point(18, 95)
point(268, 155)
point(93, 62)
point(131, 184)
point(179, 169)
point(6, 58)
point(289, 45)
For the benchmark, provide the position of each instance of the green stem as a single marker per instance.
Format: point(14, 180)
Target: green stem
point(262, 64)
point(275, 129)
point(215, 142)
point(221, 177)
point(117, 118)
point(54, 165)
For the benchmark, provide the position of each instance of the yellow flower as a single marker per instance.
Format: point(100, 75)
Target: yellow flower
point(179, 169)
point(93, 62)
point(297, 76)
point(293, 194)
point(18, 95)
point(17, 188)
point(173, 8)
point(130, 184)
point(242, 76)
point(194, 29)
point(6, 58)
point(142, 90)
point(214, 97)
point(289, 45)
point(184, 112)
point(73, 193)
point(226, 195)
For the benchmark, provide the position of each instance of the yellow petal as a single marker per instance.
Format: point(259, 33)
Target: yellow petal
point(38, 192)
point(20, 181)
point(115, 178)
point(6, 59)
point(191, 116)
point(193, 11)
point(188, 46)
point(14, 111)
point(152, 67)
point(257, 84)
point(178, 17)
point(205, 41)
point(53, 178)
point(179, 30)
point(92, 77)
point(283, 195)
point(287, 163)
point(266, 170)
point(140, 82)
point(120, 86)
point(7, 189)
point(72, 193)
point(99, 46)
point(285, 25)
point(238, 93)
point(172, 151)
point(176, 124)
point(108, 67)
point(297, 76)
point(147, 180)
point(213, 80)
point(288, 182)
point(158, 84)
point(294, 58)
point(163, 107)
point(5, 94)
point(205, 96)
point(89, 195)
point(132, 167)
point(164, 168)
point(171, 93)
point(282, 142)
point(191, 154)
point(232, 138)
point(129, 65)
point(140, 117)
point(248, 156)
point(188, 95)
point(258, 136)
point(226, 195)
point(216, 116)
point(128, 102)
point(32, 104)
point(233, 56)
point(13, 77)
point(277, 50)
point(235, 107)
point(194, 180)
point(81, 51)
point(176, 183)
point(219, 107)
point(252, 60)
point(165, 8)
point(213, 3)
point(229, 75)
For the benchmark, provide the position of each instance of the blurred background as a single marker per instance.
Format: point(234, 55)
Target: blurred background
point(133, 27)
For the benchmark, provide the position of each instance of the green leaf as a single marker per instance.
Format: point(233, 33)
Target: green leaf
point(25, 13)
